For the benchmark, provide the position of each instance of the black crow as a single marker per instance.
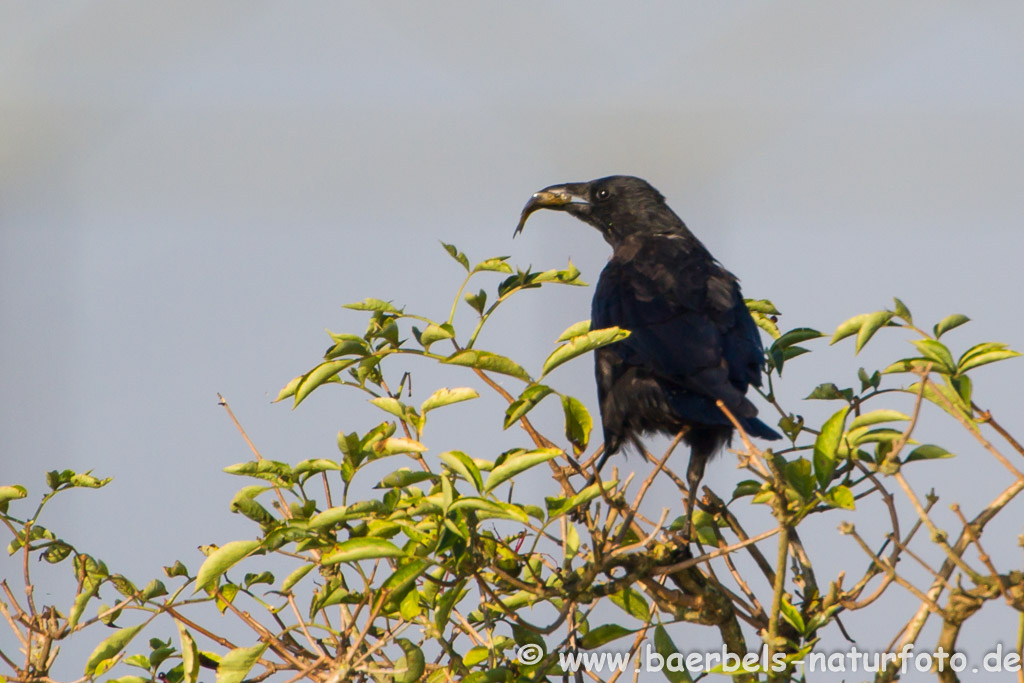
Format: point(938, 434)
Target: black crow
point(692, 339)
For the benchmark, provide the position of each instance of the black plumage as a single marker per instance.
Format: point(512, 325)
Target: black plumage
point(692, 338)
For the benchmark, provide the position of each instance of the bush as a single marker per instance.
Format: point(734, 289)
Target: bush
point(442, 569)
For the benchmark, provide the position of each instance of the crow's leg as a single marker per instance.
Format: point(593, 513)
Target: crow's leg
point(694, 473)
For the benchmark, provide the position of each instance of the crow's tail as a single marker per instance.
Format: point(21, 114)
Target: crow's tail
point(754, 427)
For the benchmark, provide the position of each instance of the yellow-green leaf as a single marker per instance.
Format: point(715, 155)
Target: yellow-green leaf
point(235, 665)
point(485, 360)
point(361, 549)
point(517, 463)
point(444, 397)
point(100, 658)
point(825, 446)
point(222, 559)
point(576, 346)
point(574, 330)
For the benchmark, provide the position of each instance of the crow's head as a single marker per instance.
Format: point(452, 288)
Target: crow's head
point(618, 206)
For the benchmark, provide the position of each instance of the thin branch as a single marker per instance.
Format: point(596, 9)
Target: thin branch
point(779, 588)
point(985, 416)
point(984, 557)
point(975, 432)
point(891, 572)
point(707, 557)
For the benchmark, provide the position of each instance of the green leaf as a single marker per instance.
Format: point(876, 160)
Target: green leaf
point(664, 646)
point(495, 265)
point(877, 417)
point(569, 276)
point(189, 654)
point(792, 615)
point(962, 386)
point(517, 463)
point(578, 423)
point(982, 354)
point(463, 465)
point(361, 549)
point(445, 603)
point(410, 607)
point(574, 330)
point(403, 477)
point(901, 311)
point(315, 466)
point(840, 497)
point(411, 665)
point(948, 323)
point(868, 382)
point(872, 323)
point(825, 446)
point(100, 659)
point(796, 336)
point(485, 360)
point(572, 539)
point(347, 345)
point(477, 301)
point(235, 665)
point(747, 487)
point(402, 580)
point(848, 328)
point(222, 559)
point(603, 635)
point(559, 506)
point(761, 306)
point(576, 346)
point(937, 353)
point(435, 333)
point(475, 655)
point(929, 452)
point(490, 509)
point(791, 425)
point(395, 444)
point(392, 406)
point(632, 602)
point(937, 392)
point(456, 254)
point(445, 397)
point(766, 323)
point(321, 374)
point(9, 493)
point(907, 365)
point(798, 475)
point(289, 389)
point(153, 589)
point(829, 391)
point(527, 401)
point(295, 577)
point(375, 305)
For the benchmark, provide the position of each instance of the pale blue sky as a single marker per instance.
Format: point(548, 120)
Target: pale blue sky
point(189, 191)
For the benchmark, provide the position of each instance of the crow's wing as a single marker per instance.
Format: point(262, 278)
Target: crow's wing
point(689, 326)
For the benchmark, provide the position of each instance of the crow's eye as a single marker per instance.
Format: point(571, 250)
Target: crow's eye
point(602, 194)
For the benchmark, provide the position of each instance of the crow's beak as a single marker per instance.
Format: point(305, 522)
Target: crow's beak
point(556, 197)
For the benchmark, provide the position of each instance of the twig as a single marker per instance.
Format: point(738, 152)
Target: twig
point(986, 416)
point(938, 536)
point(975, 432)
point(647, 485)
point(285, 510)
point(891, 572)
point(707, 557)
point(913, 627)
point(984, 557)
point(777, 591)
